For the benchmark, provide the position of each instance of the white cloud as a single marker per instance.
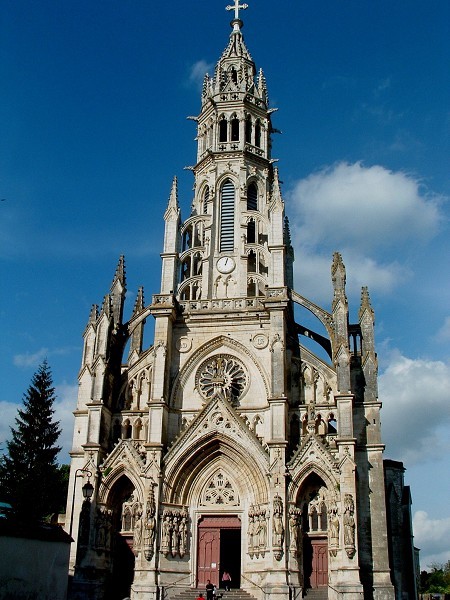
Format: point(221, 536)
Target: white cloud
point(30, 360)
point(443, 335)
point(35, 359)
point(364, 213)
point(415, 415)
point(365, 207)
point(198, 71)
point(431, 536)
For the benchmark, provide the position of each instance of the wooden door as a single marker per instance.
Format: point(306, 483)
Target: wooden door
point(319, 574)
point(208, 557)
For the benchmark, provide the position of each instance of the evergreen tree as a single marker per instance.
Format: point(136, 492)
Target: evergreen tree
point(30, 478)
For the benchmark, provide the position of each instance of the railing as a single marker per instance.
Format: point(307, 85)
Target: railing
point(162, 589)
point(253, 583)
point(220, 304)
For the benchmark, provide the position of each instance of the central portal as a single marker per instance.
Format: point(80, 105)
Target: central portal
point(219, 550)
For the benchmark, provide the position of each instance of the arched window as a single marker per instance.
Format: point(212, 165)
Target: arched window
point(248, 129)
point(252, 197)
point(251, 232)
point(251, 263)
point(332, 424)
point(258, 134)
point(233, 75)
point(223, 130)
point(205, 200)
point(187, 238)
point(251, 287)
point(234, 129)
point(323, 517)
point(227, 217)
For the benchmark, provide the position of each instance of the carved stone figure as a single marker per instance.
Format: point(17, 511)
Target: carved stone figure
point(150, 525)
point(166, 530)
point(137, 533)
point(349, 525)
point(175, 535)
point(333, 530)
point(294, 531)
point(183, 532)
point(277, 527)
point(262, 531)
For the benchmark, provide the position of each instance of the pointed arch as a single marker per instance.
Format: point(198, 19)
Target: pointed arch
point(187, 475)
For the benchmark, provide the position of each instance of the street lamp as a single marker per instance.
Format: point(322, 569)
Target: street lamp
point(87, 489)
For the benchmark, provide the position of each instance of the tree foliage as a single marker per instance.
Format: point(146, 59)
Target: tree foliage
point(30, 478)
point(437, 581)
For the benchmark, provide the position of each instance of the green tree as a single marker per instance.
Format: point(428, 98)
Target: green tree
point(438, 580)
point(30, 478)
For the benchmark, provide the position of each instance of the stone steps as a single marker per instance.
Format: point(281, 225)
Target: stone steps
point(192, 594)
point(320, 593)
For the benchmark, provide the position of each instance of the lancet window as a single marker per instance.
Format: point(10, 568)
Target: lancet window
point(252, 197)
point(248, 129)
point(258, 134)
point(205, 200)
point(223, 129)
point(251, 232)
point(234, 129)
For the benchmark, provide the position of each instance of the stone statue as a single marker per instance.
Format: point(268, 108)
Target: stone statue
point(137, 533)
point(349, 525)
point(277, 527)
point(166, 530)
point(294, 530)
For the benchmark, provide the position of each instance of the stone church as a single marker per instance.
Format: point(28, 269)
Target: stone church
point(228, 446)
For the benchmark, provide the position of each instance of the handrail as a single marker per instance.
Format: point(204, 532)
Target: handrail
point(164, 588)
point(252, 582)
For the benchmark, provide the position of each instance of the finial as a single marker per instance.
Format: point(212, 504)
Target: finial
point(120, 272)
point(236, 22)
point(139, 304)
point(173, 198)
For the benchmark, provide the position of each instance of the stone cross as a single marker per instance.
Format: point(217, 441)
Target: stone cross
point(236, 8)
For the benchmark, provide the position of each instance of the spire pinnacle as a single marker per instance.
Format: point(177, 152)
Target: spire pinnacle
point(236, 23)
point(120, 272)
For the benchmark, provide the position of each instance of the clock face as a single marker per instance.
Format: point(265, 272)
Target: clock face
point(225, 264)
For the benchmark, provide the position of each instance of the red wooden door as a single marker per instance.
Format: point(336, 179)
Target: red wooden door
point(319, 575)
point(208, 556)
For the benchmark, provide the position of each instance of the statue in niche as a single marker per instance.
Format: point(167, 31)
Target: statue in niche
point(333, 530)
point(294, 530)
point(175, 534)
point(137, 533)
point(150, 525)
point(262, 533)
point(251, 532)
point(349, 525)
point(183, 530)
point(277, 527)
point(166, 530)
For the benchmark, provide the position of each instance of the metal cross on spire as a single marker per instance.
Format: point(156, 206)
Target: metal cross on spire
point(236, 8)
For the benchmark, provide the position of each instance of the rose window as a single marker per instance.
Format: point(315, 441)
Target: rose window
point(222, 376)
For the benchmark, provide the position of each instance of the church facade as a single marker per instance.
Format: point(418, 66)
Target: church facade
point(228, 446)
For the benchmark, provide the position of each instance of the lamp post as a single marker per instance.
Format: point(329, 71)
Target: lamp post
point(87, 489)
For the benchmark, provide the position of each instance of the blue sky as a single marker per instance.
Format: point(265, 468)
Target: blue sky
point(93, 128)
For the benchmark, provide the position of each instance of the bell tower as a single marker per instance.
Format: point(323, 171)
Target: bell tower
point(232, 245)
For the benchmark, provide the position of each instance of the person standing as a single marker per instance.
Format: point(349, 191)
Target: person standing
point(226, 580)
point(209, 590)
